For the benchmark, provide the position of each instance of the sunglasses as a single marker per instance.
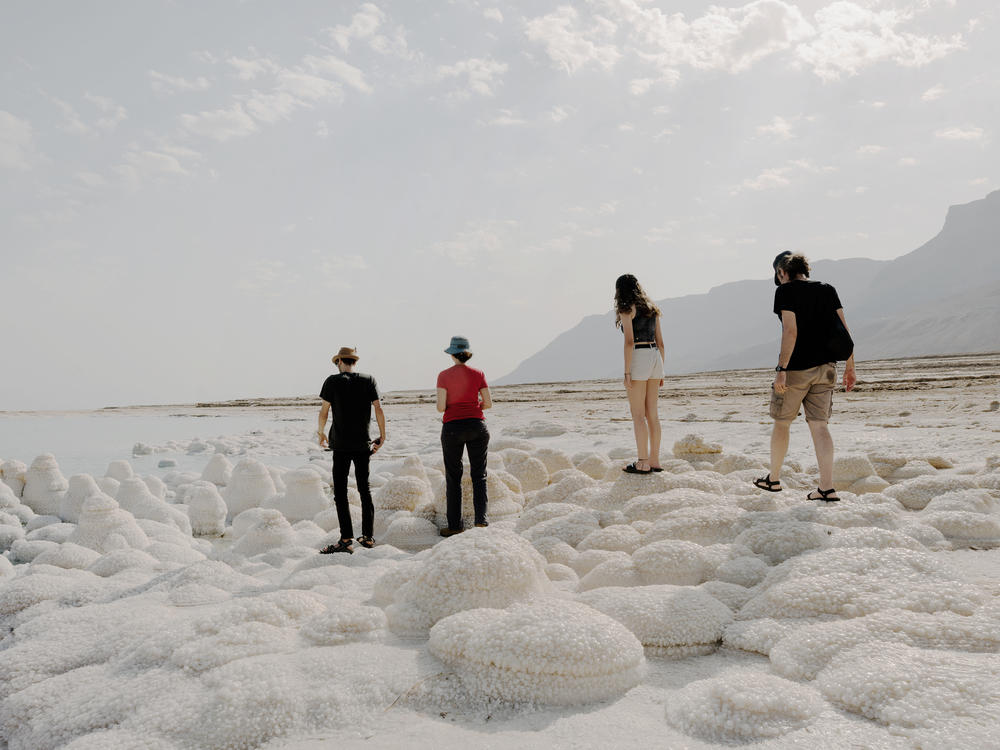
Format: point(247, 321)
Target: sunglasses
point(347, 361)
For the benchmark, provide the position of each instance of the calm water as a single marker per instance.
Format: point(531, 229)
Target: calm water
point(86, 443)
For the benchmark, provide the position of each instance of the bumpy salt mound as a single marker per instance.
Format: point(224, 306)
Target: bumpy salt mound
point(50, 532)
point(902, 686)
point(970, 501)
point(694, 448)
point(156, 486)
point(410, 533)
point(989, 481)
point(975, 529)
point(554, 460)
point(6, 567)
point(616, 538)
point(732, 595)
point(652, 507)
point(412, 466)
point(875, 538)
point(218, 470)
point(68, 555)
point(135, 497)
point(8, 535)
point(716, 524)
point(743, 570)
point(570, 481)
point(571, 528)
point(44, 485)
point(737, 462)
point(886, 464)
point(206, 509)
point(480, 568)
point(802, 654)
point(849, 468)
point(550, 652)
point(115, 562)
point(777, 540)
point(851, 582)
point(850, 512)
point(250, 484)
point(13, 473)
point(80, 487)
point(743, 706)
point(270, 531)
point(119, 470)
point(304, 496)
point(556, 551)
point(671, 562)
point(674, 621)
point(612, 569)
point(592, 464)
point(104, 526)
point(404, 493)
point(344, 624)
point(502, 501)
point(913, 468)
point(916, 493)
point(530, 471)
point(865, 485)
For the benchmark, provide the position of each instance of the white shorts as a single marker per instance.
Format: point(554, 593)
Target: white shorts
point(647, 364)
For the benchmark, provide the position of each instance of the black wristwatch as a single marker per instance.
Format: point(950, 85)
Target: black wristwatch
point(779, 368)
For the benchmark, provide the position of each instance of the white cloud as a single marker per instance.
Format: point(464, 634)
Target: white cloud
point(639, 86)
point(960, 134)
point(558, 114)
point(871, 149)
point(334, 66)
point(321, 129)
point(16, 149)
point(220, 124)
point(72, 122)
point(934, 93)
point(262, 275)
point(493, 14)
point(91, 179)
point(907, 161)
point(364, 25)
point(482, 76)
point(249, 69)
point(609, 208)
point(778, 177)
point(779, 127)
point(570, 47)
point(506, 117)
point(142, 165)
point(167, 84)
point(113, 113)
point(475, 241)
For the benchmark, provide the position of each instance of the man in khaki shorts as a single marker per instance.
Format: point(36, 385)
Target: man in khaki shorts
point(806, 371)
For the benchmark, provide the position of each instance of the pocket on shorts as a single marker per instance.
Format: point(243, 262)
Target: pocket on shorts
point(777, 403)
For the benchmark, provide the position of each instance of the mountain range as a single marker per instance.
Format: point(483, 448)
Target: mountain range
point(942, 298)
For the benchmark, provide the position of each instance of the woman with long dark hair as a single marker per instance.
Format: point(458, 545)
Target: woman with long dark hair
point(639, 320)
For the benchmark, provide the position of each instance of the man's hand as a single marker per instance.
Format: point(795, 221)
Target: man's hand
point(780, 382)
point(322, 438)
point(850, 378)
point(376, 444)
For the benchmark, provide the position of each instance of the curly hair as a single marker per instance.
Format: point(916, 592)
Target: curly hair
point(628, 294)
point(794, 265)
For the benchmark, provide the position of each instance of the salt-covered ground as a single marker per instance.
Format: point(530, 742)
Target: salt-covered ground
point(185, 605)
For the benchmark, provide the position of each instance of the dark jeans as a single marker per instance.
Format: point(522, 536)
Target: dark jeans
point(341, 466)
point(456, 436)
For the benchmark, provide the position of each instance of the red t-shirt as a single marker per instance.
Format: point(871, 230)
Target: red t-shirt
point(463, 384)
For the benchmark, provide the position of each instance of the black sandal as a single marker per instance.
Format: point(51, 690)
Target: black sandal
point(824, 495)
point(341, 546)
point(633, 469)
point(365, 541)
point(765, 483)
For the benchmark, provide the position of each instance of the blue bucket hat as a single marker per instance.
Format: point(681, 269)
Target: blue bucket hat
point(458, 345)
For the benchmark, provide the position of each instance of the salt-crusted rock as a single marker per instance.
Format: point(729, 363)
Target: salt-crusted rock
point(671, 562)
point(8, 535)
point(68, 555)
point(51, 532)
point(914, 468)
point(482, 567)
point(270, 531)
point(874, 538)
point(731, 462)
point(104, 526)
point(851, 582)
point(694, 448)
point(849, 468)
point(303, 497)
point(109, 485)
point(410, 533)
point(13, 475)
point(900, 685)
point(865, 485)
point(80, 487)
point(563, 576)
point(584, 562)
point(777, 540)
point(550, 652)
point(971, 501)
point(135, 497)
point(614, 538)
point(732, 595)
point(120, 470)
point(672, 621)
point(916, 493)
point(530, 471)
point(26, 550)
point(206, 509)
point(571, 528)
point(502, 501)
point(412, 466)
point(156, 486)
point(743, 570)
point(6, 568)
point(760, 636)
point(570, 481)
point(974, 529)
point(802, 654)
point(592, 464)
point(345, 623)
point(112, 563)
point(218, 470)
point(404, 493)
point(555, 550)
point(989, 481)
point(44, 485)
point(886, 464)
point(250, 484)
point(614, 569)
point(716, 524)
point(928, 536)
point(554, 460)
point(743, 705)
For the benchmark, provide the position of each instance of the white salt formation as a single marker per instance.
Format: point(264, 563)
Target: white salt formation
point(105, 527)
point(135, 497)
point(206, 509)
point(120, 470)
point(44, 485)
point(404, 493)
point(80, 487)
point(13, 475)
point(218, 470)
point(270, 531)
point(550, 652)
point(503, 502)
point(344, 624)
point(250, 485)
point(694, 448)
point(480, 568)
point(304, 496)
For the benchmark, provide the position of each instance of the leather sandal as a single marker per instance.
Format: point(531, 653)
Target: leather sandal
point(765, 483)
point(633, 469)
point(824, 495)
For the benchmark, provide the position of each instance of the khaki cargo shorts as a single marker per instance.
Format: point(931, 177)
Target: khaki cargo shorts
point(812, 389)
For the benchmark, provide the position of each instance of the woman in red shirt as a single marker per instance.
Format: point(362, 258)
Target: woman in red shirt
point(462, 395)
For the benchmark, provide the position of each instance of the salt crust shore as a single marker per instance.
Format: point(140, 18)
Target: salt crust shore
point(191, 610)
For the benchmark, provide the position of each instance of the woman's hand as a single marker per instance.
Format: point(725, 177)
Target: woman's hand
point(628, 381)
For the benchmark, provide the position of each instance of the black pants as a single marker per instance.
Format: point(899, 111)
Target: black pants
point(456, 436)
point(341, 466)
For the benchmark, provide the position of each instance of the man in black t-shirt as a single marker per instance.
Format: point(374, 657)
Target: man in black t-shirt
point(807, 368)
point(351, 395)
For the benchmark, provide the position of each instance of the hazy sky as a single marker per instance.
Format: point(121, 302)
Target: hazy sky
point(204, 200)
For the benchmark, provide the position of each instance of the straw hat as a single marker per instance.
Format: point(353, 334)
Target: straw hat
point(345, 352)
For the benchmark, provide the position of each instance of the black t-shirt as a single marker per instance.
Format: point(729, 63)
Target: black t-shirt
point(815, 304)
point(350, 395)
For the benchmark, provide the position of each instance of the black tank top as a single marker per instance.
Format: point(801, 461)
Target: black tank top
point(644, 328)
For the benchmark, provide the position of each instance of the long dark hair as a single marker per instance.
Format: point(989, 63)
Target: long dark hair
point(629, 293)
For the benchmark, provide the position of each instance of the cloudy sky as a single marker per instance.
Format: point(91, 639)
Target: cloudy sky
point(205, 200)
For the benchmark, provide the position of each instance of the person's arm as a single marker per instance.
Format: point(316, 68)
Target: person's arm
point(850, 376)
point(380, 418)
point(324, 410)
point(789, 332)
point(485, 399)
point(626, 319)
point(659, 343)
point(442, 399)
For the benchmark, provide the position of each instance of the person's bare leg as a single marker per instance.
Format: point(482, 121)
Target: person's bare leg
point(637, 405)
point(653, 421)
point(779, 446)
point(823, 443)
